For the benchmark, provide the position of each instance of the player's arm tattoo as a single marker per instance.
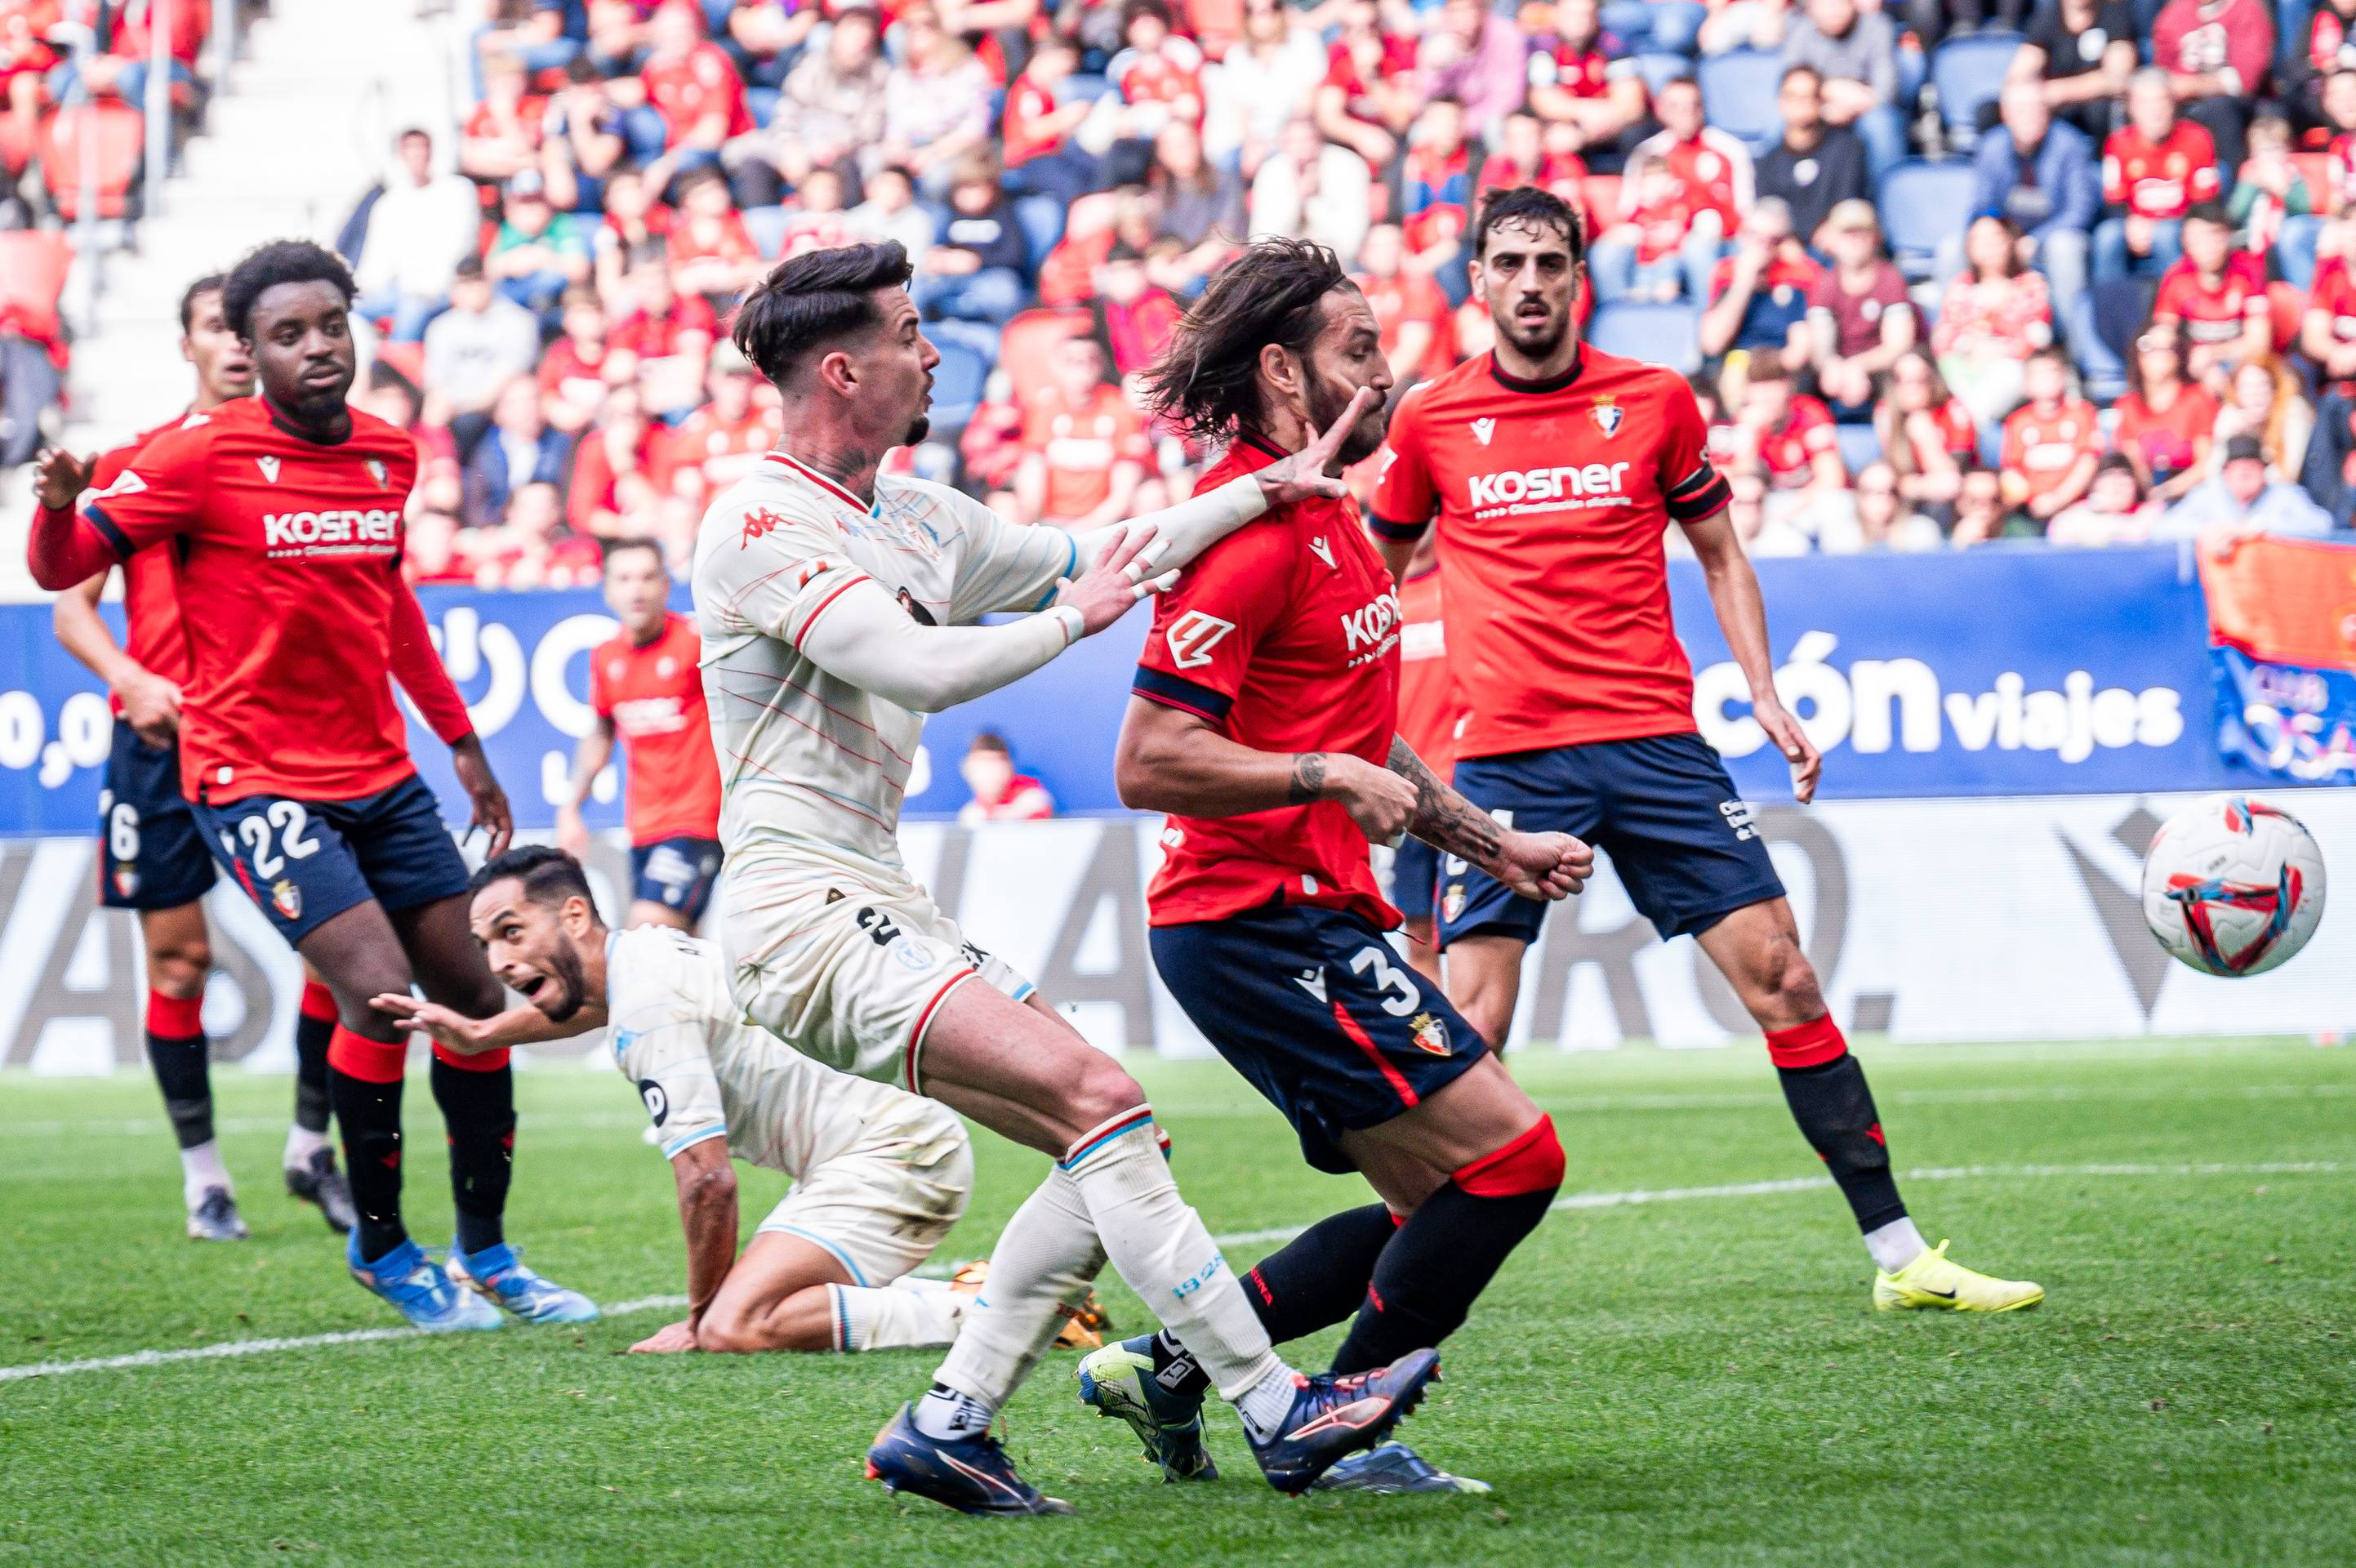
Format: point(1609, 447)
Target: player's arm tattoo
point(1308, 782)
point(1445, 818)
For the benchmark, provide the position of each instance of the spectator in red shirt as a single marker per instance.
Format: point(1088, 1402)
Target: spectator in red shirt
point(1372, 91)
point(1927, 435)
point(2154, 168)
point(1408, 308)
point(1759, 295)
point(1000, 794)
point(1084, 449)
point(2327, 329)
point(1715, 166)
point(1041, 156)
point(1159, 75)
point(1790, 436)
point(613, 492)
point(572, 372)
point(1663, 246)
point(1532, 152)
point(2165, 420)
point(668, 335)
point(1586, 81)
point(710, 252)
point(721, 442)
point(502, 135)
point(1133, 313)
point(990, 445)
point(692, 83)
point(2218, 295)
point(2330, 47)
point(1995, 313)
point(1858, 313)
point(2217, 54)
point(2051, 444)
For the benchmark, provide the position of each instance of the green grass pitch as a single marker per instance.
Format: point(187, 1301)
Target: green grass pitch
point(1695, 1380)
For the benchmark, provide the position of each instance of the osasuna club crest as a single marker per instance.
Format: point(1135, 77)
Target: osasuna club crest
point(1608, 415)
point(286, 899)
point(1429, 1033)
point(378, 472)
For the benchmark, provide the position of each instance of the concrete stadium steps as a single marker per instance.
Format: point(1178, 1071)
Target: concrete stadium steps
point(301, 128)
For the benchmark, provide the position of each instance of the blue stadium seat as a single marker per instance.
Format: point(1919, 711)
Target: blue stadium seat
point(766, 225)
point(1660, 70)
point(1969, 72)
point(1859, 446)
point(1737, 94)
point(761, 103)
point(1923, 201)
point(1041, 219)
point(956, 383)
point(1657, 334)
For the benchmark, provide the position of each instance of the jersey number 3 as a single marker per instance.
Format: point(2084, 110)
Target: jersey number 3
point(1400, 996)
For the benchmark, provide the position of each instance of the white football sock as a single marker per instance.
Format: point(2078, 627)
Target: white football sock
point(1895, 1245)
point(1162, 1249)
point(1266, 1402)
point(947, 1413)
point(1045, 1258)
point(892, 1319)
point(301, 1144)
point(201, 1168)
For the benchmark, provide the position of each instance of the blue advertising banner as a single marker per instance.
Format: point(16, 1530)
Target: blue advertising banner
point(1999, 671)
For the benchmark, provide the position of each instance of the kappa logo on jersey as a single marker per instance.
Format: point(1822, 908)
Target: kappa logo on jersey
point(125, 483)
point(1373, 624)
point(1608, 415)
point(1322, 550)
point(759, 524)
point(1193, 635)
point(375, 531)
point(1553, 487)
point(808, 573)
point(1483, 429)
point(269, 467)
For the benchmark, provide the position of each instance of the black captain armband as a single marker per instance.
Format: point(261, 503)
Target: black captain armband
point(1396, 533)
point(1700, 494)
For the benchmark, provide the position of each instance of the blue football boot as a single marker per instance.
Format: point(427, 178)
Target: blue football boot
point(971, 1474)
point(1333, 1416)
point(1118, 1381)
point(1392, 1467)
point(417, 1288)
point(501, 1278)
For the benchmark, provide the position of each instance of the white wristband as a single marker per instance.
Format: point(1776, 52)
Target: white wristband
point(1075, 624)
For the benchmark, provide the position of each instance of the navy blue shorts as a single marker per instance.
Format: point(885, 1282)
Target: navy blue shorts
point(1317, 1010)
point(1414, 878)
point(678, 873)
point(1680, 837)
point(304, 861)
point(151, 854)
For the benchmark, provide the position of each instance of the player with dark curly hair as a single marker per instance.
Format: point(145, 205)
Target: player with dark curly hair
point(1264, 720)
point(286, 513)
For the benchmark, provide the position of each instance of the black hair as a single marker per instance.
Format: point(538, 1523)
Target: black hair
point(1799, 68)
point(279, 261)
point(815, 299)
point(1208, 380)
point(990, 740)
point(1528, 206)
point(2208, 212)
point(1157, 10)
point(622, 546)
point(209, 283)
point(548, 876)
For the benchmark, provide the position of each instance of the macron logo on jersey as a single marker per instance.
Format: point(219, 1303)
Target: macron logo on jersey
point(125, 483)
point(1193, 635)
point(1516, 486)
point(1483, 429)
point(330, 532)
point(269, 467)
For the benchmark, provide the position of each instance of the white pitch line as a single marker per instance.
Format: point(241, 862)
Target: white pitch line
point(232, 1348)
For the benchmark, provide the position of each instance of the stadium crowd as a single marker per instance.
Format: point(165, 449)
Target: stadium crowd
point(1938, 281)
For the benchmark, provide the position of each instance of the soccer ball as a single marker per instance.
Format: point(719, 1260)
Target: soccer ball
point(2232, 885)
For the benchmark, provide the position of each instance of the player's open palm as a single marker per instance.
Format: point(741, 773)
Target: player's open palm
point(445, 1025)
point(1107, 591)
point(1544, 865)
point(59, 478)
point(1302, 476)
point(668, 1340)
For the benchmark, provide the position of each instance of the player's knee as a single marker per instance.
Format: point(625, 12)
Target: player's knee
point(1101, 1090)
point(177, 966)
point(1785, 981)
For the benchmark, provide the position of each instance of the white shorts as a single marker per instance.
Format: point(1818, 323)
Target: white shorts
point(851, 977)
point(882, 1210)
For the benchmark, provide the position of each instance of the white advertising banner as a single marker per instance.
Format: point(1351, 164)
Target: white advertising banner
point(1929, 920)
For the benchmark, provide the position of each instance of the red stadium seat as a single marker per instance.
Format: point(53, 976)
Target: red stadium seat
point(2286, 305)
point(1027, 343)
point(2315, 168)
point(1217, 24)
point(1600, 192)
point(114, 131)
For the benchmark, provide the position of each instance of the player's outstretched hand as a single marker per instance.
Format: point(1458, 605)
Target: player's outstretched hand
point(445, 1025)
point(1544, 865)
point(668, 1340)
point(1106, 591)
point(482, 786)
point(59, 478)
point(1807, 762)
point(1302, 474)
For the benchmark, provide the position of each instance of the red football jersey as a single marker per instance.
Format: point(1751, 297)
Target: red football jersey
point(1789, 449)
point(702, 81)
point(654, 694)
point(2214, 315)
point(1551, 499)
point(291, 593)
point(1285, 634)
point(2043, 449)
point(1429, 707)
point(151, 581)
point(2163, 180)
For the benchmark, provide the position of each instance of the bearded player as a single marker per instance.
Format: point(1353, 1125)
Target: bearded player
point(1553, 469)
point(153, 859)
point(644, 687)
point(837, 606)
point(285, 512)
point(1264, 721)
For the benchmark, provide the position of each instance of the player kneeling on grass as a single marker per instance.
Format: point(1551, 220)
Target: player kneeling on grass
point(1265, 720)
point(880, 1175)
